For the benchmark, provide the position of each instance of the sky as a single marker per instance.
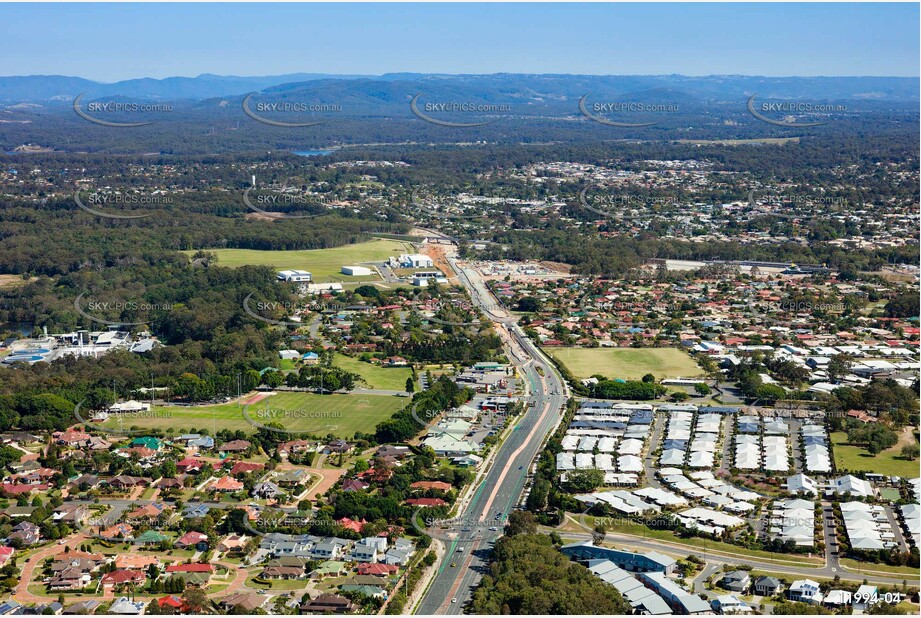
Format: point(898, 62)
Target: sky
point(109, 42)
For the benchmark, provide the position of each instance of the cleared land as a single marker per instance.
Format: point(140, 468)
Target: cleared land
point(889, 462)
point(627, 363)
point(324, 264)
point(340, 415)
point(384, 378)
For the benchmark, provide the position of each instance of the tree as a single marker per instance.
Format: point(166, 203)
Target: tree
point(911, 452)
point(584, 481)
point(702, 389)
point(410, 385)
point(649, 378)
point(194, 600)
point(521, 522)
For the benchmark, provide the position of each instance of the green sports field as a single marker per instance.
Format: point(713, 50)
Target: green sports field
point(323, 264)
point(340, 414)
point(627, 363)
point(384, 378)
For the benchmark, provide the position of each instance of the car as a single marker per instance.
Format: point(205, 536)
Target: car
point(460, 550)
point(521, 467)
point(453, 564)
point(454, 600)
point(493, 529)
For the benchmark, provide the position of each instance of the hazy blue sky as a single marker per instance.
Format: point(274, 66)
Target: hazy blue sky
point(110, 42)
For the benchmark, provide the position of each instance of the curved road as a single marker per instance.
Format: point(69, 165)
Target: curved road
point(501, 488)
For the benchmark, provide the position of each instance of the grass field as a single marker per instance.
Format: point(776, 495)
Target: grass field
point(627, 363)
point(340, 415)
point(384, 378)
point(888, 462)
point(324, 264)
point(640, 530)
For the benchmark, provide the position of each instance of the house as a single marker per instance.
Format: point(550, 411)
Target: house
point(431, 485)
point(226, 484)
point(151, 537)
point(26, 533)
point(377, 568)
point(329, 549)
point(329, 568)
point(235, 446)
point(246, 467)
point(395, 361)
point(244, 602)
point(365, 590)
point(5, 554)
point(805, 591)
point(328, 604)
point(337, 446)
point(194, 511)
point(282, 572)
point(736, 581)
point(426, 502)
point(865, 597)
point(292, 478)
point(146, 512)
point(369, 549)
point(350, 485)
point(232, 543)
point(191, 539)
point(124, 481)
point(294, 447)
point(8, 607)
point(267, 490)
point(74, 514)
point(120, 577)
point(190, 465)
point(192, 567)
point(150, 442)
point(86, 607)
point(171, 601)
point(729, 604)
point(70, 578)
point(766, 586)
point(125, 607)
point(350, 524)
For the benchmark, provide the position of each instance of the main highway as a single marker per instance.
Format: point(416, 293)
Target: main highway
point(499, 491)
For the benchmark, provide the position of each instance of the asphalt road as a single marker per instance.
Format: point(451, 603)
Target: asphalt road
point(501, 489)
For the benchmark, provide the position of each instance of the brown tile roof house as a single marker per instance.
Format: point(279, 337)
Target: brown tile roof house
point(122, 576)
point(245, 467)
point(247, 601)
point(294, 447)
point(226, 483)
point(235, 446)
point(328, 604)
point(282, 572)
point(124, 481)
point(436, 485)
point(71, 578)
point(426, 502)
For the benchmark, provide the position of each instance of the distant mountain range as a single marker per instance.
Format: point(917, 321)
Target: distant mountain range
point(520, 89)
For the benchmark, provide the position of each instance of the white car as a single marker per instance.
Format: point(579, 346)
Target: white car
point(454, 600)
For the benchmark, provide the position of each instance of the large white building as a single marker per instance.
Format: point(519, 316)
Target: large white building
point(356, 271)
point(415, 260)
point(294, 276)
